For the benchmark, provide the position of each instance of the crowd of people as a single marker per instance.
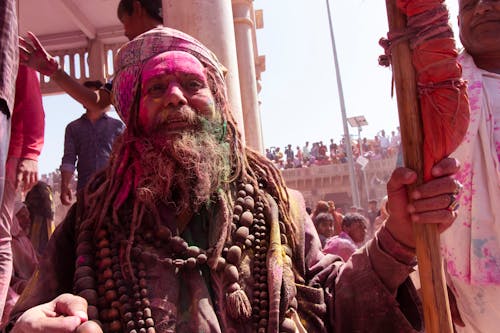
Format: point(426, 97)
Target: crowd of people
point(380, 147)
point(186, 229)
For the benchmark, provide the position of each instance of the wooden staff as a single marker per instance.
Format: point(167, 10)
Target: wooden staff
point(430, 265)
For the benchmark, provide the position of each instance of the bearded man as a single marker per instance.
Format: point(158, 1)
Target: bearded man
point(189, 231)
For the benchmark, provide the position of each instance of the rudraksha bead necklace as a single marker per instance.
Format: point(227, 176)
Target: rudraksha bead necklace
point(121, 304)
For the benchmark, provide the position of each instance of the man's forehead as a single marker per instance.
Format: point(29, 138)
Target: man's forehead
point(172, 62)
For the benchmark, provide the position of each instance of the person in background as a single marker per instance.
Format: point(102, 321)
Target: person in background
point(21, 169)
point(40, 203)
point(352, 236)
point(383, 215)
point(24, 257)
point(88, 142)
point(471, 248)
point(324, 224)
point(371, 215)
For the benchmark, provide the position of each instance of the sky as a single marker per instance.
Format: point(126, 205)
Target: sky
point(299, 96)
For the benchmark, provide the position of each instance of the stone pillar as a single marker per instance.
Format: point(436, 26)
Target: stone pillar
point(211, 22)
point(96, 61)
point(244, 28)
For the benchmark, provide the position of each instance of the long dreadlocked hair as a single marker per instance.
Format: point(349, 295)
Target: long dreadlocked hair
point(108, 190)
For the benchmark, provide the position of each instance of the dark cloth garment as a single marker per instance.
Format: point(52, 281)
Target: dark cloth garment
point(369, 293)
point(89, 145)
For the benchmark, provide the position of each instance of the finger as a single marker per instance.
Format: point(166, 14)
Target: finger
point(57, 324)
point(443, 216)
point(19, 178)
point(434, 188)
point(445, 167)
point(89, 327)
point(35, 41)
point(23, 43)
point(435, 203)
point(401, 177)
point(71, 305)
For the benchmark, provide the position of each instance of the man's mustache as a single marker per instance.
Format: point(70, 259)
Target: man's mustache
point(178, 118)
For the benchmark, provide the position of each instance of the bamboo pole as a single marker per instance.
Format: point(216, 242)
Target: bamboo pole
point(434, 293)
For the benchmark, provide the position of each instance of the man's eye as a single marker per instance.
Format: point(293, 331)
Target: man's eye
point(157, 90)
point(469, 5)
point(194, 85)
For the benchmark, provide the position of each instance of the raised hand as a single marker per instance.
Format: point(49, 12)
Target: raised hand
point(34, 55)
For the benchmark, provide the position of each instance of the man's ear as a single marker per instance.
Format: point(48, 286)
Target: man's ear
point(137, 8)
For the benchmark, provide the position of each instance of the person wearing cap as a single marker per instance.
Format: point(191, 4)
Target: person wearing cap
point(188, 230)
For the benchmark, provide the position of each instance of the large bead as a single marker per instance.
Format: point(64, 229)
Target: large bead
point(249, 203)
point(231, 274)
point(84, 248)
point(190, 263)
point(164, 233)
point(84, 271)
point(90, 295)
point(193, 251)
point(84, 260)
point(246, 219)
point(92, 312)
point(85, 236)
point(238, 209)
point(233, 255)
point(242, 234)
point(115, 326)
point(105, 263)
point(86, 282)
point(249, 189)
point(201, 259)
point(179, 245)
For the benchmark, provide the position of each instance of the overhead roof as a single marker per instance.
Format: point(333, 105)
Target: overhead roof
point(70, 23)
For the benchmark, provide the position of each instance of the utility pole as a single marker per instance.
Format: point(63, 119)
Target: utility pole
point(350, 161)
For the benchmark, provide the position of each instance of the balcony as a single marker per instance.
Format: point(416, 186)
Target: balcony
point(331, 182)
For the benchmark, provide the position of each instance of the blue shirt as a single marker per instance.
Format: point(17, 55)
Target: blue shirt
point(89, 145)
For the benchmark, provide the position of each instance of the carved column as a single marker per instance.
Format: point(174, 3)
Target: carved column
point(244, 27)
point(96, 61)
point(211, 22)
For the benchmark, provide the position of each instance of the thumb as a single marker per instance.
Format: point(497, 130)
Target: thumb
point(71, 305)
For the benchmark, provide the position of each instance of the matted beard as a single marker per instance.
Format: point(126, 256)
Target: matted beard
point(183, 169)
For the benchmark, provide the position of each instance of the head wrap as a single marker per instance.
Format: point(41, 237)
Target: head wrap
point(131, 57)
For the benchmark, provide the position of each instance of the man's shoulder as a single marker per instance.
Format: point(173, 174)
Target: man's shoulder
point(77, 122)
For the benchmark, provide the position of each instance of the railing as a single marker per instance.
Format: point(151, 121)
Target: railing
point(75, 64)
point(320, 182)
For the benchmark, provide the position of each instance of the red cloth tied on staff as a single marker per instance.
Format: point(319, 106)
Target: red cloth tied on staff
point(442, 93)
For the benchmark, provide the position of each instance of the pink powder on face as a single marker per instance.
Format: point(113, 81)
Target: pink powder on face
point(172, 62)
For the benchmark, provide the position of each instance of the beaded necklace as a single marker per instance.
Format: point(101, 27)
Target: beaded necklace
point(118, 295)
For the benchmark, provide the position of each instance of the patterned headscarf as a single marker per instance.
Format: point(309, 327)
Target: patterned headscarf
point(131, 57)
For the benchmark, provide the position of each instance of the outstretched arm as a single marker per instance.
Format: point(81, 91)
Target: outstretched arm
point(34, 55)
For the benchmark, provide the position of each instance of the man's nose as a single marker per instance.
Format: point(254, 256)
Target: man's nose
point(174, 95)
